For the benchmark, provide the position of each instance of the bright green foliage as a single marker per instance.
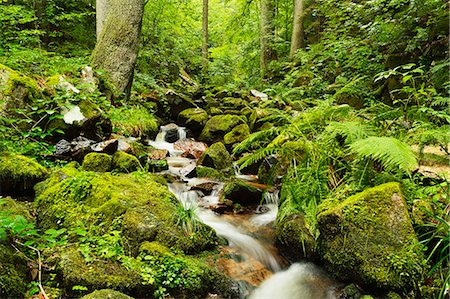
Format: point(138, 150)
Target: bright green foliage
point(106, 294)
point(137, 122)
point(391, 152)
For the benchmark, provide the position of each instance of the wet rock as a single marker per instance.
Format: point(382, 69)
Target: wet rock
point(157, 154)
point(123, 162)
point(240, 192)
point(216, 157)
point(206, 188)
point(106, 294)
point(191, 148)
point(19, 174)
point(238, 134)
point(97, 162)
point(171, 131)
point(369, 239)
point(219, 125)
point(189, 171)
point(208, 172)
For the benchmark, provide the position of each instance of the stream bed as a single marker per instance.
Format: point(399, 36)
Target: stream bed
point(251, 257)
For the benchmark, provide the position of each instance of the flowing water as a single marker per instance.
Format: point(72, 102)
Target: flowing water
point(299, 281)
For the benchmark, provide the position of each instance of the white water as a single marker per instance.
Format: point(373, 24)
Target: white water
point(300, 281)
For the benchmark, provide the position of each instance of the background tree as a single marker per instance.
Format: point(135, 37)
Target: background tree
point(205, 37)
point(267, 35)
point(119, 42)
point(298, 33)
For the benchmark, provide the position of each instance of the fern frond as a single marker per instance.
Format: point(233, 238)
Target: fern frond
point(258, 155)
point(351, 130)
point(264, 135)
point(389, 151)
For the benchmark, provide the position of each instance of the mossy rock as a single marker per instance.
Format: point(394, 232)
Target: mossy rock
point(242, 193)
point(194, 118)
point(216, 156)
point(97, 162)
point(123, 162)
point(11, 206)
point(106, 294)
point(141, 208)
point(238, 134)
point(219, 125)
point(208, 172)
point(13, 273)
point(369, 239)
point(19, 174)
point(295, 237)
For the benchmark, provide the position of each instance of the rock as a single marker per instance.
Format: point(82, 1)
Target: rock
point(194, 118)
point(77, 148)
point(208, 172)
point(171, 133)
point(19, 174)
point(11, 206)
point(295, 237)
point(13, 273)
point(123, 162)
point(206, 188)
point(88, 79)
point(240, 192)
point(191, 148)
point(63, 148)
point(157, 154)
point(106, 294)
point(259, 94)
point(59, 82)
point(157, 165)
point(188, 171)
point(238, 134)
point(97, 162)
point(108, 146)
point(219, 125)
point(216, 157)
point(351, 291)
point(369, 239)
point(178, 102)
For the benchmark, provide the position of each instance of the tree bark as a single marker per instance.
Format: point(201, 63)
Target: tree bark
point(267, 35)
point(298, 33)
point(101, 7)
point(117, 47)
point(205, 37)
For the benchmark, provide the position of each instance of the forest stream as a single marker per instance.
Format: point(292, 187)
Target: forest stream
point(250, 236)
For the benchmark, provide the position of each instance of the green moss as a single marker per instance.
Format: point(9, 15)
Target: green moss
point(238, 134)
point(133, 121)
point(218, 126)
point(369, 239)
point(216, 156)
point(193, 116)
point(106, 294)
point(18, 174)
point(97, 162)
point(123, 162)
point(295, 236)
point(208, 172)
point(154, 249)
point(13, 207)
point(240, 192)
point(13, 273)
point(89, 108)
point(15, 80)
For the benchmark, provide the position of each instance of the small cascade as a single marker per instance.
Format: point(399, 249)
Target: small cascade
point(244, 177)
point(300, 281)
point(270, 209)
point(182, 134)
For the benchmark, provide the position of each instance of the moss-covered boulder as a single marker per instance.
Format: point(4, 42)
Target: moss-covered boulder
point(208, 172)
point(13, 273)
point(216, 156)
point(123, 162)
point(295, 237)
point(19, 174)
point(242, 193)
point(369, 239)
point(219, 125)
point(194, 118)
point(97, 162)
point(238, 134)
point(106, 294)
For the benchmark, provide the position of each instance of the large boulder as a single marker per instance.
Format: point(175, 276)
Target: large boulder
point(242, 193)
point(194, 118)
point(368, 238)
point(219, 125)
point(123, 162)
point(216, 156)
point(97, 162)
point(238, 134)
point(18, 174)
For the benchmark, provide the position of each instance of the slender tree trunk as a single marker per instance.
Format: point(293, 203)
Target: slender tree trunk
point(39, 8)
point(267, 35)
point(117, 46)
point(205, 37)
point(298, 33)
point(100, 11)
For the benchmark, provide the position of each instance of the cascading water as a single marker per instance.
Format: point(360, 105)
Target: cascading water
point(300, 281)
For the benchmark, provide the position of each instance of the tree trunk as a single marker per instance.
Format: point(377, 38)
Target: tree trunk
point(100, 11)
point(267, 35)
point(298, 33)
point(205, 37)
point(117, 46)
point(39, 8)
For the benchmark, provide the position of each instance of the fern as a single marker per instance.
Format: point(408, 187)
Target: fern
point(351, 130)
point(258, 155)
point(264, 135)
point(389, 151)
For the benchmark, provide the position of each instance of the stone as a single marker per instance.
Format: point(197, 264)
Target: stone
point(171, 133)
point(194, 118)
point(108, 146)
point(189, 171)
point(216, 157)
point(242, 193)
point(123, 162)
point(368, 238)
point(157, 154)
point(106, 294)
point(19, 174)
point(206, 188)
point(157, 165)
point(97, 162)
point(238, 134)
point(13, 273)
point(191, 148)
point(219, 125)
point(178, 102)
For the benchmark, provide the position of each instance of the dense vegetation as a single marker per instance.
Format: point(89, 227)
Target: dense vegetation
point(361, 105)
